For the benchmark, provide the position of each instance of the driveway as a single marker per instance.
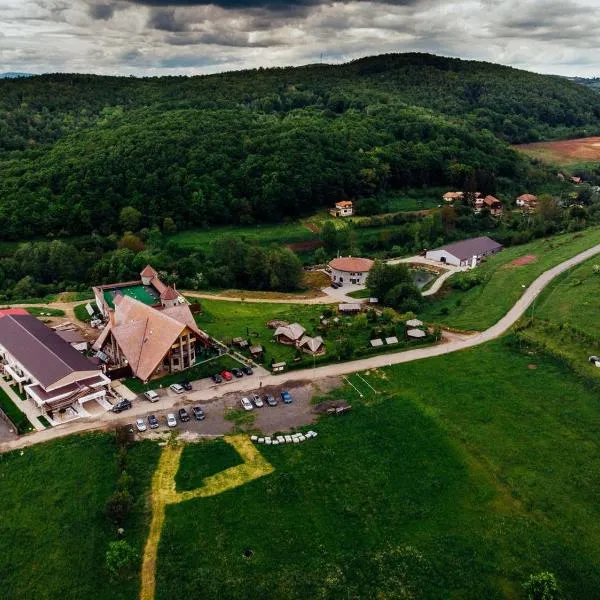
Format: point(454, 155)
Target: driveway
point(243, 386)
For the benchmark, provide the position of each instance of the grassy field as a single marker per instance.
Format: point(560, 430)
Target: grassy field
point(199, 371)
point(263, 234)
point(203, 460)
point(53, 530)
point(564, 320)
point(14, 413)
point(455, 481)
point(483, 305)
point(226, 320)
point(574, 153)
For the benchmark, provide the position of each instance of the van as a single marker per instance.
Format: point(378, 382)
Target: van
point(151, 395)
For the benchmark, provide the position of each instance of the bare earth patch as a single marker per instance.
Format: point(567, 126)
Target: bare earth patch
point(564, 151)
point(523, 260)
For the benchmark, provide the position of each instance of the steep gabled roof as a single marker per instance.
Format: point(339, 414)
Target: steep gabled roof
point(169, 294)
point(148, 272)
point(145, 335)
point(293, 332)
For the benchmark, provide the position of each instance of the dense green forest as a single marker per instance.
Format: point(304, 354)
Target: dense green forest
point(265, 145)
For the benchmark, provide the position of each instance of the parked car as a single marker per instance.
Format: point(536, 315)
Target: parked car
point(270, 400)
point(246, 404)
point(286, 397)
point(141, 426)
point(237, 372)
point(121, 406)
point(178, 389)
point(171, 420)
point(257, 401)
point(151, 395)
point(183, 415)
point(186, 385)
point(226, 375)
point(153, 422)
point(247, 370)
point(217, 378)
point(198, 413)
point(335, 285)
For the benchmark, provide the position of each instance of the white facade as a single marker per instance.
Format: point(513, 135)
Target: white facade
point(352, 277)
point(444, 256)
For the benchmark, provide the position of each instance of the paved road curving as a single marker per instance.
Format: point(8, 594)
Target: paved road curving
point(454, 345)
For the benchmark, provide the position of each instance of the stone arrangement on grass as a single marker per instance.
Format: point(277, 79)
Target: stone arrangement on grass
point(294, 438)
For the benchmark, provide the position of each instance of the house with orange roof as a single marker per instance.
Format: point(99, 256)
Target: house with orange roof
point(527, 202)
point(492, 203)
point(350, 270)
point(150, 342)
point(344, 208)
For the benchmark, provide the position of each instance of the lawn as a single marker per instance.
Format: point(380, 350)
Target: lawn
point(14, 413)
point(45, 311)
point(53, 530)
point(198, 371)
point(455, 481)
point(226, 320)
point(483, 305)
point(81, 313)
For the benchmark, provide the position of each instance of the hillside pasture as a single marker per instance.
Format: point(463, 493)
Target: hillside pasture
point(453, 481)
point(504, 276)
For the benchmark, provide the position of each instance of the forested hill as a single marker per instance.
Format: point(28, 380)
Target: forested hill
point(269, 143)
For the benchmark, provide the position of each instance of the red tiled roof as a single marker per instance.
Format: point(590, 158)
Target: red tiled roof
point(343, 204)
point(491, 200)
point(169, 294)
point(148, 272)
point(351, 265)
point(12, 311)
point(527, 198)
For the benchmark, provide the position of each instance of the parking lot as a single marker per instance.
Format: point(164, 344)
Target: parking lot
point(268, 419)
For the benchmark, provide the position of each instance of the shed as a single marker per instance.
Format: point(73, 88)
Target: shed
point(349, 308)
point(377, 343)
point(466, 252)
point(391, 340)
point(256, 351)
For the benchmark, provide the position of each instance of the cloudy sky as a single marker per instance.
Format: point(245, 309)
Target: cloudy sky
point(195, 36)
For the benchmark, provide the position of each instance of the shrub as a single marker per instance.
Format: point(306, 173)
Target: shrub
point(542, 586)
point(118, 506)
point(121, 558)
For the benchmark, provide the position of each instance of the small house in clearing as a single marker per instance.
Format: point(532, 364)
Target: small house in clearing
point(492, 203)
point(344, 208)
point(466, 252)
point(527, 202)
point(312, 345)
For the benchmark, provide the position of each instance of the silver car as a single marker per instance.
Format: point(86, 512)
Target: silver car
point(247, 405)
point(178, 389)
point(141, 425)
point(171, 420)
point(257, 401)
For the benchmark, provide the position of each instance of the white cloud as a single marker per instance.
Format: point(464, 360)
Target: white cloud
point(120, 36)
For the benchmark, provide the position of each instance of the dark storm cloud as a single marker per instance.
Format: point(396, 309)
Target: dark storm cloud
point(223, 38)
point(273, 5)
point(165, 20)
point(102, 12)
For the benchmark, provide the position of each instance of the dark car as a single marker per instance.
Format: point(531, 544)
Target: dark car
point(237, 372)
point(286, 397)
point(122, 405)
point(247, 370)
point(335, 285)
point(270, 400)
point(198, 413)
point(217, 378)
point(183, 415)
point(153, 422)
point(186, 385)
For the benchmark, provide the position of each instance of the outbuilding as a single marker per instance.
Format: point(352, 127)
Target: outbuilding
point(350, 270)
point(466, 252)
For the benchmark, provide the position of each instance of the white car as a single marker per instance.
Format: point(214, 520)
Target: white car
point(140, 424)
point(257, 401)
point(178, 389)
point(171, 420)
point(151, 395)
point(247, 405)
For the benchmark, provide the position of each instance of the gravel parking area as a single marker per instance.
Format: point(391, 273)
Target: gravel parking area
point(269, 419)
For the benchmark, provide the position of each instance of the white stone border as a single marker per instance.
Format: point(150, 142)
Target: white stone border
point(294, 438)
